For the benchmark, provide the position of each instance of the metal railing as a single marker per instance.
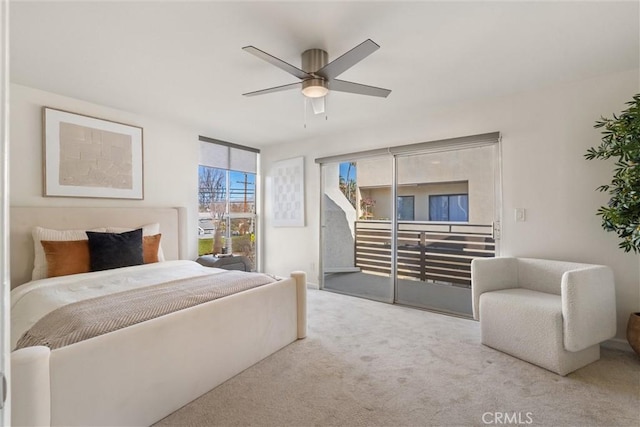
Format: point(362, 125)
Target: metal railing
point(436, 251)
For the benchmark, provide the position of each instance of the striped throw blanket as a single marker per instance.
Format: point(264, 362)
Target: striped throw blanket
point(96, 316)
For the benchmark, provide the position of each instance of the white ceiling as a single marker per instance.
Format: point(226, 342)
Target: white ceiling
point(182, 62)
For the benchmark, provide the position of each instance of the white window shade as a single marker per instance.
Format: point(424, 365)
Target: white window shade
point(214, 155)
point(243, 161)
point(227, 156)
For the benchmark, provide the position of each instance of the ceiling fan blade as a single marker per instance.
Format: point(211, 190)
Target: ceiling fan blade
point(317, 104)
point(277, 62)
point(343, 63)
point(274, 89)
point(344, 86)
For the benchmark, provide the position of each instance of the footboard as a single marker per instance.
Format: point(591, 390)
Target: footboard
point(142, 373)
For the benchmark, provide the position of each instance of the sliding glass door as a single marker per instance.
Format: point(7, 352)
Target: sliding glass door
point(449, 222)
point(403, 225)
point(356, 228)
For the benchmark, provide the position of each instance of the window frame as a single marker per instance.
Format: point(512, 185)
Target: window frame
point(448, 196)
point(226, 212)
point(413, 207)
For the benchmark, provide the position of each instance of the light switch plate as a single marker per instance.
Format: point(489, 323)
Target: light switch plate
point(520, 215)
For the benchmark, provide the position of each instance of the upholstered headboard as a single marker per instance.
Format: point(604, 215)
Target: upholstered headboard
point(23, 219)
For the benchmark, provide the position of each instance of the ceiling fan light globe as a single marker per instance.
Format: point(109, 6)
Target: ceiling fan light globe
point(315, 91)
point(314, 88)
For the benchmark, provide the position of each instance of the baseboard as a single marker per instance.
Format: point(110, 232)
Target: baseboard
point(317, 287)
point(617, 344)
point(342, 269)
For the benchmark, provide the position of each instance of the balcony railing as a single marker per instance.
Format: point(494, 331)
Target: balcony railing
point(441, 252)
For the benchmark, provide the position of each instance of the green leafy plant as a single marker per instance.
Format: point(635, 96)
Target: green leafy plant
point(621, 140)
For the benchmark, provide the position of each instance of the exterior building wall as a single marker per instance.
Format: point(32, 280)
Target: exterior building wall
point(468, 171)
point(340, 217)
point(421, 193)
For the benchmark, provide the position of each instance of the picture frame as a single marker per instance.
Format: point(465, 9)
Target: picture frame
point(287, 179)
point(87, 156)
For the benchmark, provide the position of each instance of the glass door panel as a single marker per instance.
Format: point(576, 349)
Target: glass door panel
point(453, 195)
point(357, 206)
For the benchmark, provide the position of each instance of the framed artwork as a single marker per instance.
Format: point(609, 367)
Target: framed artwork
point(90, 157)
point(288, 193)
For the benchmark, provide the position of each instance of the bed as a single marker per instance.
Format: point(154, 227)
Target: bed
point(139, 374)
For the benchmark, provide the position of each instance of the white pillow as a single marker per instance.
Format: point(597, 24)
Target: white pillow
point(40, 266)
point(147, 230)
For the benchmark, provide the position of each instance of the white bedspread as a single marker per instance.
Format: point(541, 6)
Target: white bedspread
point(33, 300)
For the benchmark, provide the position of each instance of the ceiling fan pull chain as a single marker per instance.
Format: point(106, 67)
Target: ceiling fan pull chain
point(326, 108)
point(304, 100)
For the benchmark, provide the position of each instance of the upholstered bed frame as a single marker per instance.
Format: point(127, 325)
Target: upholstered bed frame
point(172, 226)
point(140, 374)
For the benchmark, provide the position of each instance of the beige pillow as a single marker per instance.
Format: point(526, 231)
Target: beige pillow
point(147, 230)
point(66, 257)
point(40, 266)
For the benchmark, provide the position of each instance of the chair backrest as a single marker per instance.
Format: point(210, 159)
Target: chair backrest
point(544, 275)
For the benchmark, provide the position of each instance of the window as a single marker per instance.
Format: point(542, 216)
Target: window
point(405, 208)
point(347, 181)
point(227, 199)
point(449, 207)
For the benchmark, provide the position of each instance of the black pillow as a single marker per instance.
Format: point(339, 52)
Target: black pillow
point(115, 250)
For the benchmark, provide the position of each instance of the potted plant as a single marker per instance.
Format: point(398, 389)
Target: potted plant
point(621, 141)
point(366, 206)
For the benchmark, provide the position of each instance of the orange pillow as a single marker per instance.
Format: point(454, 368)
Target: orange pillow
point(150, 245)
point(66, 257)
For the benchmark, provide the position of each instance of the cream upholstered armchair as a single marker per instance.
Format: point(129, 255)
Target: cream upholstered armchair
point(553, 314)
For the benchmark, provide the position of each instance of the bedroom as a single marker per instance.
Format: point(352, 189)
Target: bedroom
point(540, 73)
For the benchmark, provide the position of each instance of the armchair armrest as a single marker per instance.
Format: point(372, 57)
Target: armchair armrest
point(491, 274)
point(588, 307)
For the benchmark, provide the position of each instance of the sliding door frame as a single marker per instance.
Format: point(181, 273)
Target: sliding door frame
point(452, 144)
point(460, 144)
point(5, 405)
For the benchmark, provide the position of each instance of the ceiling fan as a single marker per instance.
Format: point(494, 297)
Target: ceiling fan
point(317, 77)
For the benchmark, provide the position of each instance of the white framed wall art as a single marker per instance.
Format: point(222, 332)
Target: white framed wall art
point(288, 193)
point(90, 157)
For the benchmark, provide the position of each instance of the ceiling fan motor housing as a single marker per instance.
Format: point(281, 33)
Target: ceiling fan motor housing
point(312, 61)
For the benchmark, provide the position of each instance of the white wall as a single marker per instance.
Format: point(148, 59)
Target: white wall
point(170, 157)
point(545, 134)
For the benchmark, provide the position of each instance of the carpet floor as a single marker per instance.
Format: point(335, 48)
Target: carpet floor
point(366, 363)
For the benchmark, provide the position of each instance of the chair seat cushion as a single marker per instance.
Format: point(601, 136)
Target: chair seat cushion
point(528, 325)
point(527, 299)
point(524, 323)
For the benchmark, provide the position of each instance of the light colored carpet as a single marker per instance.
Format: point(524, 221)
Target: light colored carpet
point(366, 363)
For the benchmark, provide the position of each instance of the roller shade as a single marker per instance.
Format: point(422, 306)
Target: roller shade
point(439, 145)
point(225, 155)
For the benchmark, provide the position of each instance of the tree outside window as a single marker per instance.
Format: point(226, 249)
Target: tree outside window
point(227, 212)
